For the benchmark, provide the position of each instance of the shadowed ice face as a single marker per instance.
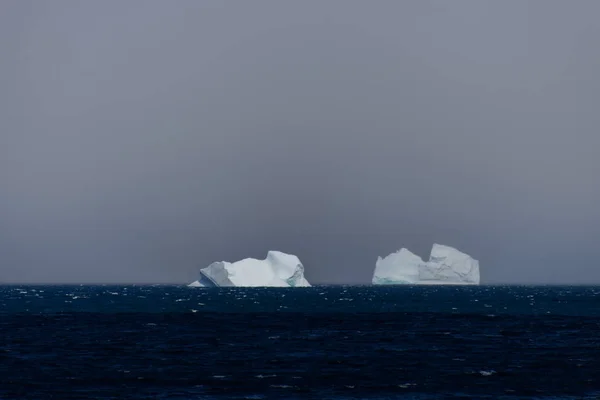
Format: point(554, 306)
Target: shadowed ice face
point(142, 140)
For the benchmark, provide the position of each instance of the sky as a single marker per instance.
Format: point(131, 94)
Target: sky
point(143, 140)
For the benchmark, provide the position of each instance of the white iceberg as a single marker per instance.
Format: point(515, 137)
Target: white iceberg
point(276, 270)
point(446, 266)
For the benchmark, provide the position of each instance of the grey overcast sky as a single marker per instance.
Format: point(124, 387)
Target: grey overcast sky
point(141, 140)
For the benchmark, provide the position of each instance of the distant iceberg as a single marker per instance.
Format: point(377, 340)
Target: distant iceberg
point(278, 269)
point(446, 266)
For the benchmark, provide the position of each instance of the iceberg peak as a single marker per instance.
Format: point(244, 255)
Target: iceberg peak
point(446, 266)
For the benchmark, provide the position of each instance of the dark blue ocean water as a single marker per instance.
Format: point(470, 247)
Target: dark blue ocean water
point(169, 342)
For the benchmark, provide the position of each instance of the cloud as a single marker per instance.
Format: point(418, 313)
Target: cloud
point(141, 142)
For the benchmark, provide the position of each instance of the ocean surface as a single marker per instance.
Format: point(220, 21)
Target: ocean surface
point(405, 342)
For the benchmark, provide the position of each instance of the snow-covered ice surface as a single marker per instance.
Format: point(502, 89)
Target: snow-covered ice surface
point(278, 269)
point(446, 266)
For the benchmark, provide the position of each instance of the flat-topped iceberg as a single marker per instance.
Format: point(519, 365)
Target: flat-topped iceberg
point(278, 269)
point(446, 266)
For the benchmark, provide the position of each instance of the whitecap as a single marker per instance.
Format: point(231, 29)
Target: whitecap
point(487, 373)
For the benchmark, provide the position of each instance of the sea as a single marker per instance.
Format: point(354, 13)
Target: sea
point(322, 342)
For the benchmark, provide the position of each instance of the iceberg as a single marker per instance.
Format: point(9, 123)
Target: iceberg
point(278, 269)
point(446, 266)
